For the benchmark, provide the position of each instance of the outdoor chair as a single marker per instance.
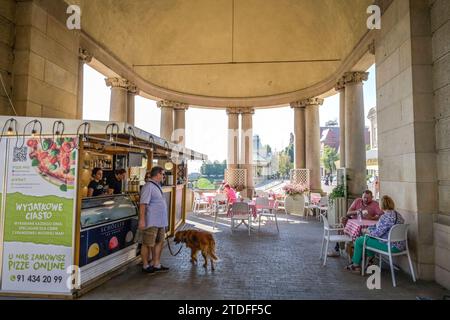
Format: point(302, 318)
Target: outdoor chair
point(329, 237)
point(240, 211)
point(322, 207)
point(398, 232)
point(280, 205)
point(260, 193)
point(199, 203)
point(309, 206)
point(220, 202)
point(264, 209)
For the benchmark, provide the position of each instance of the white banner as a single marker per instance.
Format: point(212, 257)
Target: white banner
point(29, 267)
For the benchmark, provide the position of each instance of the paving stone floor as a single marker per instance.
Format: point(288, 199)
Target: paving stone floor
point(267, 265)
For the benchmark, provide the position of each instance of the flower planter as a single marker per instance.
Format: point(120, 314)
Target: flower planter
point(295, 204)
point(337, 210)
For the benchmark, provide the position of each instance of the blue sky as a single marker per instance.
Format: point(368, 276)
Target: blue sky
point(206, 130)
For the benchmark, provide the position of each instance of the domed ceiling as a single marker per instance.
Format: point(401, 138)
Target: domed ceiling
point(228, 48)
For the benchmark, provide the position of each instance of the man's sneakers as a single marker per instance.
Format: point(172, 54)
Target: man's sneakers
point(154, 270)
point(149, 270)
point(161, 269)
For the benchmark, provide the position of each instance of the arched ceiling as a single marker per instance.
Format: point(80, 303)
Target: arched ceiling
point(228, 48)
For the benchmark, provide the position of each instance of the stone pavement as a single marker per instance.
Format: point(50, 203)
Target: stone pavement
point(260, 266)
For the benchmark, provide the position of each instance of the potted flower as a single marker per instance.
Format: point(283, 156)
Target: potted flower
point(294, 200)
point(338, 204)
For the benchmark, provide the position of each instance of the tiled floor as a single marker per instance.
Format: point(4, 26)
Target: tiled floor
point(267, 265)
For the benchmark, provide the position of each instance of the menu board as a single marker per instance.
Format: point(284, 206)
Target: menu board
point(39, 214)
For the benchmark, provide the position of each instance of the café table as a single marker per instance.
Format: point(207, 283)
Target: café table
point(354, 226)
point(209, 196)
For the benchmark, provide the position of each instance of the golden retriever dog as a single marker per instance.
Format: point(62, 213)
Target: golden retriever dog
point(198, 241)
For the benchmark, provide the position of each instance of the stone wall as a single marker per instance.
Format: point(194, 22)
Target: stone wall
point(440, 28)
point(46, 61)
point(406, 123)
point(7, 17)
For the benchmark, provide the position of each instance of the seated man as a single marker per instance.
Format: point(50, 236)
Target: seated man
point(367, 207)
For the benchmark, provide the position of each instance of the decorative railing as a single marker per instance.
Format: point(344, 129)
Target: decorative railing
point(237, 178)
point(300, 176)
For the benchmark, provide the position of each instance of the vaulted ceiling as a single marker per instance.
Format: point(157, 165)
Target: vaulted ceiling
point(229, 48)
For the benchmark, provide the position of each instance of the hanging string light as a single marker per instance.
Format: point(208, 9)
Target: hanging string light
point(12, 128)
point(58, 129)
point(34, 132)
point(152, 143)
point(86, 129)
point(131, 136)
point(110, 136)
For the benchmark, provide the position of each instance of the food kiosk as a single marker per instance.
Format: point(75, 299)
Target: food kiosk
point(54, 239)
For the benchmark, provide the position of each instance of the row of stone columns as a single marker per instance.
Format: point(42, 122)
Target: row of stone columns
point(122, 105)
point(307, 139)
point(173, 121)
point(352, 135)
point(241, 158)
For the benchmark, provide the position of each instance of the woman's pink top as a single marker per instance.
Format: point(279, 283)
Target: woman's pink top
point(231, 194)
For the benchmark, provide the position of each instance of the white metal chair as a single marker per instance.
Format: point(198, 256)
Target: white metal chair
point(261, 193)
point(264, 209)
point(241, 211)
point(309, 206)
point(322, 207)
point(328, 237)
point(280, 204)
point(220, 202)
point(198, 203)
point(398, 232)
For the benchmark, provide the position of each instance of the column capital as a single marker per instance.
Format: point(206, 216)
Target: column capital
point(238, 110)
point(115, 82)
point(172, 104)
point(84, 55)
point(133, 89)
point(232, 110)
point(307, 102)
point(248, 110)
point(340, 85)
point(355, 77)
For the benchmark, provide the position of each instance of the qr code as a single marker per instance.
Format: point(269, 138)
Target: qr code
point(20, 154)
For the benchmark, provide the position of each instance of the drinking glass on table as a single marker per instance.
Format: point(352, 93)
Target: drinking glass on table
point(364, 214)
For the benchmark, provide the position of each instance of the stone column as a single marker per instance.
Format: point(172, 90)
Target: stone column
point(131, 95)
point(299, 135)
point(313, 141)
point(355, 145)
point(180, 123)
point(247, 147)
point(340, 87)
point(85, 57)
point(166, 119)
point(118, 105)
point(233, 138)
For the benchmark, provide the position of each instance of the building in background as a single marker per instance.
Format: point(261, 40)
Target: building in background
point(372, 154)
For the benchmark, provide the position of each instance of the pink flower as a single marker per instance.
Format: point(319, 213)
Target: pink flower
point(295, 188)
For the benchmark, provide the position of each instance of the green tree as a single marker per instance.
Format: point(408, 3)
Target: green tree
point(329, 157)
point(284, 164)
point(205, 184)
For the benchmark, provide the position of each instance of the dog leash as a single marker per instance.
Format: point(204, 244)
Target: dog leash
point(170, 248)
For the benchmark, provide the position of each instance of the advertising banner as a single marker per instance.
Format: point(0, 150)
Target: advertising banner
point(104, 240)
point(39, 214)
point(3, 144)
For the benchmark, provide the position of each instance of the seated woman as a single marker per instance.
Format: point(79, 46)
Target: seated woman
point(231, 194)
point(380, 230)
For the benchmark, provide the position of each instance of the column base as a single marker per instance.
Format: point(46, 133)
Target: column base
point(317, 191)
